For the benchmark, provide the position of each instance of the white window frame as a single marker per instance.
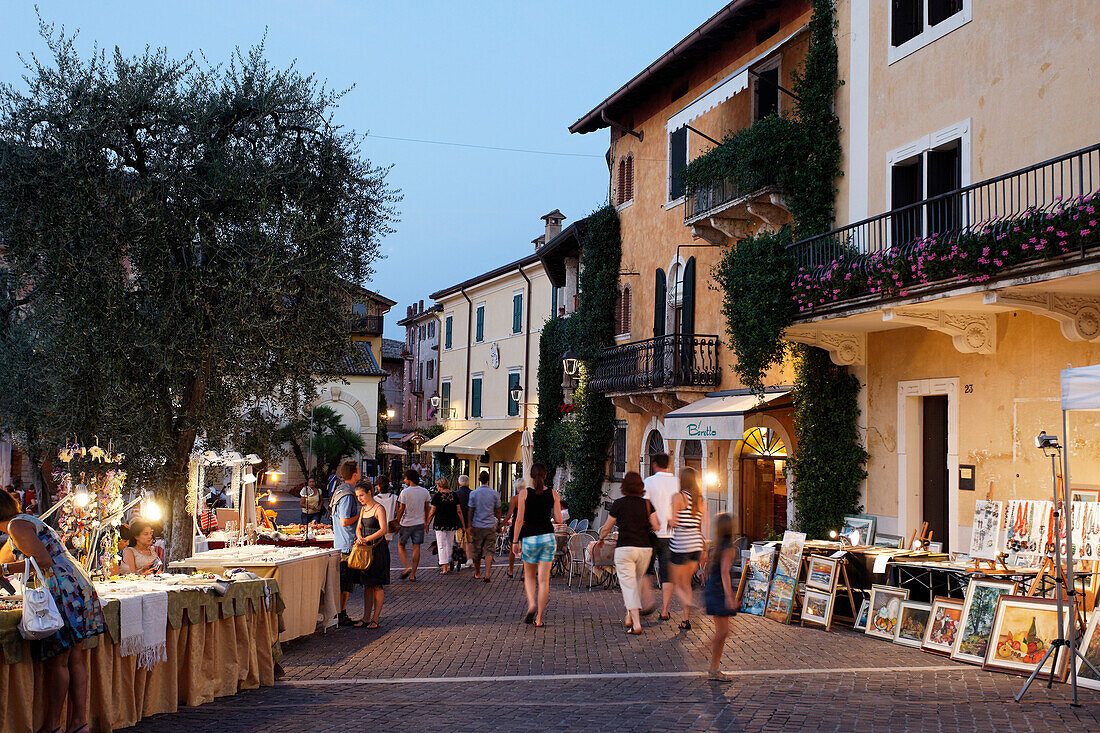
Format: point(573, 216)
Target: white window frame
point(959, 131)
point(673, 203)
point(522, 306)
point(480, 307)
point(477, 376)
point(443, 331)
point(929, 33)
point(774, 63)
point(445, 408)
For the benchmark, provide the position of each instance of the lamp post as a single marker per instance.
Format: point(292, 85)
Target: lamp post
point(570, 365)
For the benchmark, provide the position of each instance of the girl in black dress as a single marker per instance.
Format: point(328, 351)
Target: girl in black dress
point(718, 590)
point(371, 531)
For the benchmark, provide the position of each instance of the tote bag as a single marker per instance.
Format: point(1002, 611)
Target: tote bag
point(40, 615)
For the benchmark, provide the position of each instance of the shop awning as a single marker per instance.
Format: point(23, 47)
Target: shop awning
point(391, 450)
point(439, 442)
point(1081, 388)
point(715, 418)
point(478, 441)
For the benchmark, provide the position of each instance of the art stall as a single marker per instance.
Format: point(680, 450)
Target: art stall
point(996, 606)
point(172, 640)
point(248, 538)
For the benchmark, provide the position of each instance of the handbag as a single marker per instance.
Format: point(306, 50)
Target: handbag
point(40, 615)
point(361, 556)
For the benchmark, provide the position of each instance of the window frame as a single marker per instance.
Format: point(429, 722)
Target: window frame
point(776, 62)
point(445, 398)
point(517, 311)
point(477, 395)
point(671, 202)
point(479, 323)
point(613, 462)
point(513, 405)
point(448, 331)
point(928, 34)
point(920, 147)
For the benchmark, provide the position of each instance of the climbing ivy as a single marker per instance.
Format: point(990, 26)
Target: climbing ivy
point(583, 439)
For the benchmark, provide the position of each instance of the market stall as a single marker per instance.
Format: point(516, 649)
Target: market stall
point(309, 579)
point(171, 641)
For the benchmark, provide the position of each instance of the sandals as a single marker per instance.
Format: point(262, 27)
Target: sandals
point(685, 625)
point(358, 624)
point(539, 626)
point(405, 575)
point(634, 631)
point(371, 625)
point(529, 618)
point(664, 616)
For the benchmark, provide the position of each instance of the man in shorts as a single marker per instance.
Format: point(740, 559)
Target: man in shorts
point(484, 520)
point(345, 515)
point(660, 487)
point(412, 511)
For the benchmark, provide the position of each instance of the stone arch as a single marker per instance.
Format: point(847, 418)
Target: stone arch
point(342, 396)
point(737, 448)
point(655, 423)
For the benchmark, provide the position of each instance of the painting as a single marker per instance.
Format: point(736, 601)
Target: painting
point(892, 541)
point(861, 617)
point(755, 596)
point(862, 523)
point(882, 616)
point(1090, 648)
point(822, 573)
point(780, 599)
point(943, 625)
point(1085, 494)
point(817, 607)
point(790, 555)
point(979, 608)
point(984, 539)
point(912, 623)
point(1023, 629)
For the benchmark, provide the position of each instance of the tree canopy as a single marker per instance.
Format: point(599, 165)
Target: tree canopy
point(178, 240)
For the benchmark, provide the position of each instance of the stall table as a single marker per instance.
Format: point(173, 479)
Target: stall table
point(216, 645)
point(309, 579)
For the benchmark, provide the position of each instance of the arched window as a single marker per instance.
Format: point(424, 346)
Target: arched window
point(622, 312)
point(763, 442)
point(655, 446)
point(624, 181)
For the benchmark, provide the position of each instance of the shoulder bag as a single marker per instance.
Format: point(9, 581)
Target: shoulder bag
point(40, 615)
point(361, 556)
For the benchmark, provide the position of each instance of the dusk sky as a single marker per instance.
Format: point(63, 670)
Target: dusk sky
point(493, 74)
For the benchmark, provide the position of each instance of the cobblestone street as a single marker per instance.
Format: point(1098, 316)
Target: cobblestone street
point(453, 654)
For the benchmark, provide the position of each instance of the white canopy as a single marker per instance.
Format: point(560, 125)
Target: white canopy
point(1081, 388)
point(715, 418)
point(391, 449)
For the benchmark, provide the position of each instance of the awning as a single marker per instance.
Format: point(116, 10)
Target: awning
point(1081, 388)
point(736, 82)
point(478, 441)
point(391, 450)
point(715, 418)
point(399, 437)
point(439, 442)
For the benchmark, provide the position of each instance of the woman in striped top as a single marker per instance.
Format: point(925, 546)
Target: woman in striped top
point(689, 516)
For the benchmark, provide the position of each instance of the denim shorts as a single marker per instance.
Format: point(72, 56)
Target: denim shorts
point(413, 534)
point(540, 548)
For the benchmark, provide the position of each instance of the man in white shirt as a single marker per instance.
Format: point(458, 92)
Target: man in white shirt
point(412, 512)
point(660, 488)
point(388, 501)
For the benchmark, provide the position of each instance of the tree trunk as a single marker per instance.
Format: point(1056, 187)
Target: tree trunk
point(177, 521)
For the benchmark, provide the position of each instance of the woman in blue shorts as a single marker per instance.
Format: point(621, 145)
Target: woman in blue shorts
point(533, 538)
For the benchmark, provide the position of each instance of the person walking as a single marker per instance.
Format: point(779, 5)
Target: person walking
point(689, 516)
point(636, 517)
point(345, 515)
point(66, 673)
point(388, 501)
point(718, 593)
point(310, 502)
point(533, 539)
point(371, 532)
point(660, 487)
point(509, 524)
point(463, 494)
point(484, 521)
point(448, 520)
point(412, 513)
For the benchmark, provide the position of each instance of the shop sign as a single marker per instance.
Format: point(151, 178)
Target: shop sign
point(725, 427)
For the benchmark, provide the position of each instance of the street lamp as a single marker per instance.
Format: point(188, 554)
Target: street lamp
point(569, 362)
point(390, 414)
point(435, 401)
point(516, 393)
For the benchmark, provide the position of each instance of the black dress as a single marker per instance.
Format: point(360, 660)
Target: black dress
point(379, 571)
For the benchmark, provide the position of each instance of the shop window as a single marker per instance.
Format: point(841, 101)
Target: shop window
point(479, 332)
point(448, 329)
point(677, 161)
point(475, 397)
point(763, 442)
point(618, 452)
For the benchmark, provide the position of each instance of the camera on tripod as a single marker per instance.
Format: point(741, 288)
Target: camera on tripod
point(1044, 441)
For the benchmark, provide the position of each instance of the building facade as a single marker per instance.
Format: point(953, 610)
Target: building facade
point(421, 356)
point(393, 387)
point(489, 351)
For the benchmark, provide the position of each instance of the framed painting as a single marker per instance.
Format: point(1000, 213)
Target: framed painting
point(1090, 649)
point(822, 573)
point(790, 554)
point(1023, 629)
point(1085, 494)
point(817, 607)
point(943, 625)
point(892, 541)
point(780, 599)
point(861, 617)
point(935, 547)
point(862, 523)
point(882, 615)
point(979, 608)
point(986, 534)
point(912, 623)
point(755, 596)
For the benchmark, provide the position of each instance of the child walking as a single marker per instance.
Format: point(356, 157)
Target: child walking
point(718, 590)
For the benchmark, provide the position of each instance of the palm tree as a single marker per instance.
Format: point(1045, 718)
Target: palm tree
point(332, 441)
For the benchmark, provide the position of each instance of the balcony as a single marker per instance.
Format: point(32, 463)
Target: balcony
point(369, 325)
point(665, 368)
point(724, 212)
point(1030, 225)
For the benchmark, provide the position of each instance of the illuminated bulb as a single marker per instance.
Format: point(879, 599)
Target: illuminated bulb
point(81, 498)
point(273, 475)
point(151, 511)
point(712, 479)
point(272, 499)
point(832, 534)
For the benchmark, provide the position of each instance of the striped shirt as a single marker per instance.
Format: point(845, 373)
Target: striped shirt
point(687, 535)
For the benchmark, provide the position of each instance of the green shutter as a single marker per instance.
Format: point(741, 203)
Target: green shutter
point(480, 333)
point(553, 302)
point(475, 399)
point(447, 339)
point(513, 405)
point(517, 312)
point(659, 304)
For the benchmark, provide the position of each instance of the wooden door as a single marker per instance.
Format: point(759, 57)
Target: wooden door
point(934, 467)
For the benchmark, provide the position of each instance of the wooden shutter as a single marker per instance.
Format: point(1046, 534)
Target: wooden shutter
point(517, 313)
point(677, 161)
point(629, 194)
point(659, 304)
point(619, 314)
point(445, 398)
point(450, 324)
point(687, 312)
point(475, 399)
point(620, 183)
point(480, 335)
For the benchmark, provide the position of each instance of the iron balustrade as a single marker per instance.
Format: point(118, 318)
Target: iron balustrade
point(719, 194)
point(993, 205)
point(663, 362)
point(365, 324)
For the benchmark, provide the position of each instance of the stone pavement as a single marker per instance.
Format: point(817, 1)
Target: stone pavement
point(454, 655)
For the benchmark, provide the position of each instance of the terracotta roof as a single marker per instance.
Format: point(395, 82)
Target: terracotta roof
point(360, 362)
point(392, 349)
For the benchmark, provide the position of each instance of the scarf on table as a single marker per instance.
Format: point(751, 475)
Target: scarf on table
point(143, 626)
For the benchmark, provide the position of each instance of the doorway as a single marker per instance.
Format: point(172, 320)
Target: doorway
point(934, 496)
point(763, 484)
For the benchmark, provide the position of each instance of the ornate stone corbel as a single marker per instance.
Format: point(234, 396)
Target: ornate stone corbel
point(1077, 315)
point(971, 333)
point(845, 347)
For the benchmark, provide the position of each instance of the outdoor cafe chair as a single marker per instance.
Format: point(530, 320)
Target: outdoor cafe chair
point(600, 560)
point(575, 554)
point(573, 525)
point(581, 526)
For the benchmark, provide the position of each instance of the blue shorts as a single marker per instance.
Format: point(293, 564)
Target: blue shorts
point(540, 548)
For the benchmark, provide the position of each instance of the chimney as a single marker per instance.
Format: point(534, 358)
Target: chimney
point(553, 224)
point(538, 241)
point(420, 309)
point(408, 311)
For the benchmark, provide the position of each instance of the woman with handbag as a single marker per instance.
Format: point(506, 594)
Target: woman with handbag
point(76, 601)
point(370, 555)
point(637, 521)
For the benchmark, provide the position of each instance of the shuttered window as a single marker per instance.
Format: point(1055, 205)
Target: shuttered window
point(479, 334)
point(622, 312)
point(517, 313)
point(513, 383)
point(677, 161)
point(475, 398)
point(447, 335)
point(624, 182)
point(445, 398)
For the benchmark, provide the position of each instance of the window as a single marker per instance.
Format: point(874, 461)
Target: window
point(765, 90)
point(448, 328)
point(431, 369)
point(431, 329)
point(622, 312)
point(624, 185)
point(517, 312)
point(932, 166)
point(916, 23)
point(677, 161)
point(445, 398)
point(479, 333)
point(475, 397)
point(654, 446)
point(513, 383)
point(618, 451)
point(553, 302)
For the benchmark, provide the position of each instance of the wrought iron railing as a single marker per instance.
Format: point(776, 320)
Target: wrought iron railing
point(719, 194)
point(993, 206)
point(662, 362)
point(365, 324)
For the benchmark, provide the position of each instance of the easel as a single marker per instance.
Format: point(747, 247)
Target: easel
point(1047, 568)
point(924, 538)
point(842, 584)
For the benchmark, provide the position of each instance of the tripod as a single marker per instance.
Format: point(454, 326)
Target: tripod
point(1064, 577)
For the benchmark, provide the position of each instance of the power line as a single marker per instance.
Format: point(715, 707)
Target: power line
point(493, 147)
